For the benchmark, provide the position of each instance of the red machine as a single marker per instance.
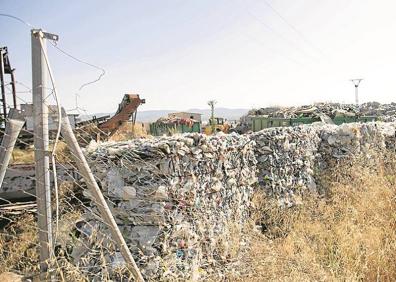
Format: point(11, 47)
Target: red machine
point(126, 110)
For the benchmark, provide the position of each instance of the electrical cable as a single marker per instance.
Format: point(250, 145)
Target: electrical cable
point(53, 43)
point(17, 18)
point(272, 30)
point(82, 62)
point(298, 32)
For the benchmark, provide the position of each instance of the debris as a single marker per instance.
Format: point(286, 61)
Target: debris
point(289, 157)
point(177, 199)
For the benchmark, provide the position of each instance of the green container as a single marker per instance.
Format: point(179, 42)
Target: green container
point(259, 123)
point(262, 122)
point(159, 129)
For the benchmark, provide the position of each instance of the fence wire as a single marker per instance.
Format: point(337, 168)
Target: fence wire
point(83, 250)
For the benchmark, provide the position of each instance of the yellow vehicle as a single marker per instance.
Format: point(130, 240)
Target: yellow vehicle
point(216, 124)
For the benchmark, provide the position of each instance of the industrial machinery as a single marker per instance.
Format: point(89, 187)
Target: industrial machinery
point(5, 68)
point(216, 124)
point(127, 110)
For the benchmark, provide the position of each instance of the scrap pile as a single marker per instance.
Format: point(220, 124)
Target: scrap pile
point(285, 161)
point(181, 202)
point(329, 109)
point(353, 140)
point(386, 111)
point(289, 157)
point(176, 121)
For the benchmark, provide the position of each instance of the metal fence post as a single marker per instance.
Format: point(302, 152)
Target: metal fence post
point(104, 210)
point(41, 156)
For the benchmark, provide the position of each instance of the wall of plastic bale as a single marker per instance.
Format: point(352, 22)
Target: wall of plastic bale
point(290, 158)
point(181, 202)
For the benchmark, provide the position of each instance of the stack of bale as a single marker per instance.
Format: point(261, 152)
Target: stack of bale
point(289, 158)
point(355, 140)
point(181, 202)
point(285, 161)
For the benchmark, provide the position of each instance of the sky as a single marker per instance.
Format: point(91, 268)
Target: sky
point(178, 54)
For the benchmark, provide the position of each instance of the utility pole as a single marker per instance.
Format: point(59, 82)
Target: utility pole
point(41, 140)
point(41, 152)
point(356, 82)
point(212, 103)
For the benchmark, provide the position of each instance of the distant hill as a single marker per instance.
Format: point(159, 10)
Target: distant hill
point(150, 116)
point(229, 114)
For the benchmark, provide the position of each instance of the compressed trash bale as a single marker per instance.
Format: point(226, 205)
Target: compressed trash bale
point(178, 200)
point(288, 158)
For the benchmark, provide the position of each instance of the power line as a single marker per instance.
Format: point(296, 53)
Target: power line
point(82, 62)
point(272, 30)
point(17, 18)
point(53, 43)
point(298, 32)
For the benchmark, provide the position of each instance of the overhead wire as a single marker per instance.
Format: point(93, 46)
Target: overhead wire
point(16, 18)
point(68, 54)
point(276, 33)
point(297, 31)
point(53, 43)
point(56, 97)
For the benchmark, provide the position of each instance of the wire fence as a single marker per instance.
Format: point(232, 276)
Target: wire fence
point(81, 249)
point(179, 202)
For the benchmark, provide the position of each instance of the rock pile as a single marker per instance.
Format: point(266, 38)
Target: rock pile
point(181, 202)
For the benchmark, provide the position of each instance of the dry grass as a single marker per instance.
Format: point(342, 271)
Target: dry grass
point(26, 156)
point(20, 156)
point(350, 235)
point(18, 245)
point(129, 131)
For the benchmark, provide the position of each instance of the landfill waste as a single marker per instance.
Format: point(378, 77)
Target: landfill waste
point(378, 109)
point(289, 158)
point(182, 202)
point(324, 112)
point(176, 120)
point(330, 109)
point(285, 161)
point(179, 201)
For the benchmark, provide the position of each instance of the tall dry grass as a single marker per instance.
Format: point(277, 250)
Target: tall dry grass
point(347, 235)
point(129, 131)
